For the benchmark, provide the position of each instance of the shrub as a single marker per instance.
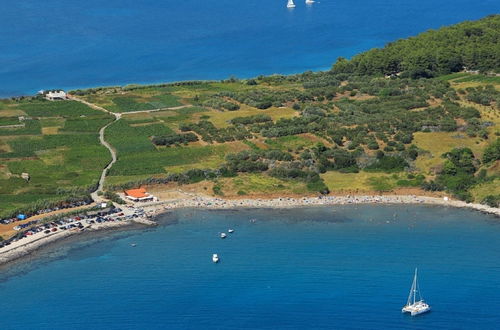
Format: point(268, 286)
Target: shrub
point(492, 152)
point(491, 200)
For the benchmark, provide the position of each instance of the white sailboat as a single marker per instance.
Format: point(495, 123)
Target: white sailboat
point(290, 4)
point(414, 306)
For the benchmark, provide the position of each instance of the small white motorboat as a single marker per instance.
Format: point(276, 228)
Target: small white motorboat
point(309, 2)
point(290, 4)
point(133, 245)
point(414, 306)
point(215, 258)
point(223, 235)
point(230, 231)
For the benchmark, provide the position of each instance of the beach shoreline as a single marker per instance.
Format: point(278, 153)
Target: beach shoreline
point(23, 249)
point(290, 202)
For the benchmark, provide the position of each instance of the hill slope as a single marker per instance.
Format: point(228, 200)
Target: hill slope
point(473, 44)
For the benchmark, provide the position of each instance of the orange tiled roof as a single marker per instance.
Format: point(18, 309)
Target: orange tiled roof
point(136, 193)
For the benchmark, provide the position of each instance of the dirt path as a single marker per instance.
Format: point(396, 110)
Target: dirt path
point(156, 110)
point(103, 141)
point(102, 179)
point(106, 144)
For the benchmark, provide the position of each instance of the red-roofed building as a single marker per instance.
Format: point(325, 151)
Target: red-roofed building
point(138, 195)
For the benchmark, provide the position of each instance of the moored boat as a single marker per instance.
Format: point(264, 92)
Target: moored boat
point(414, 306)
point(215, 258)
point(290, 4)
point(223, 235)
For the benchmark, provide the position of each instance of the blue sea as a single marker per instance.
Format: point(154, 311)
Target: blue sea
point(342, 267)
point(74, 44)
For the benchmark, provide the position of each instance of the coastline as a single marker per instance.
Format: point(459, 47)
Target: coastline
point(25, 248)
point(290, 202)
point(21, 249)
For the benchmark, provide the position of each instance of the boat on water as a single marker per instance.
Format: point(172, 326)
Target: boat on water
point(290, 4)
point(414, 305)
point(230, 231)
point(309, 2)
point(215, 258)
point(223, 235)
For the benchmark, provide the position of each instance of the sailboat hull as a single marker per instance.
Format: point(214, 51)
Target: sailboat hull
point(420, 311)
point(416, 308)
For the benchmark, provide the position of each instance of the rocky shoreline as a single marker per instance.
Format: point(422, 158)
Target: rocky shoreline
point(21, 249)
point(287, 202)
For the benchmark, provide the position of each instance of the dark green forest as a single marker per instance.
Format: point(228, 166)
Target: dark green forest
point(473, 45)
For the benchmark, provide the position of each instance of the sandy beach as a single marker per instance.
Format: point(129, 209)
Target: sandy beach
point(30, 244)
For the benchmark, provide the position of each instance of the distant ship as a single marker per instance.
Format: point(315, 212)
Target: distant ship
point(414, 306)
point(290, 4)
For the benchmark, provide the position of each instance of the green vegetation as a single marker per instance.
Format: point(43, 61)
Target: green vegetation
point(177, 139)
point(62, 166)
point(473, 45)
point(492, 152)
point(458, 175)
point(348, 129)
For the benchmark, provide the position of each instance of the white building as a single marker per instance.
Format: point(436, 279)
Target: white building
point(56, 95)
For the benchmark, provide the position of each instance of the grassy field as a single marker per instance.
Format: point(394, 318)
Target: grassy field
point(222, 119)
point(358, 182)
point(364, 182)
point(489, 188)
point(294, 142)
point(437, 143)
point(257, 184)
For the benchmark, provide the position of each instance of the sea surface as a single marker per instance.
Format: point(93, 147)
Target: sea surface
point(74, 44)
point(342, 267)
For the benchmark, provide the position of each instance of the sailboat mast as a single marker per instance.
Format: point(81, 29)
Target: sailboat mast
point(408, 302)
point(415, 286)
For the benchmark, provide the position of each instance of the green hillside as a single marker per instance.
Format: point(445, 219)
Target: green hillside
point(474, 45)
point(340, 131)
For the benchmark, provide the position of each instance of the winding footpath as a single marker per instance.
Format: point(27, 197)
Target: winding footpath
point(100, 187)
point(106, 144)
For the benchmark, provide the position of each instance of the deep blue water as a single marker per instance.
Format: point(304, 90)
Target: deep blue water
point(346, 267)
point(71, 44)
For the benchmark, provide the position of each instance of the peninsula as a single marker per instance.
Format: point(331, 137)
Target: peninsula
point(414, 122)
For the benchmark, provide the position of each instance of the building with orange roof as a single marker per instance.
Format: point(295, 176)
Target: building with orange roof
point(138, 195)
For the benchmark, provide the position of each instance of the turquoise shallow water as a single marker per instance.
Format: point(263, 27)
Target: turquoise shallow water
point(347, 267)
point(72, 44)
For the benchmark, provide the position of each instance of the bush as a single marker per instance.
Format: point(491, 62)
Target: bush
point(112, 196)
point(389, 163)
point(492, 152)
point(168, 140)
point(491, 200)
